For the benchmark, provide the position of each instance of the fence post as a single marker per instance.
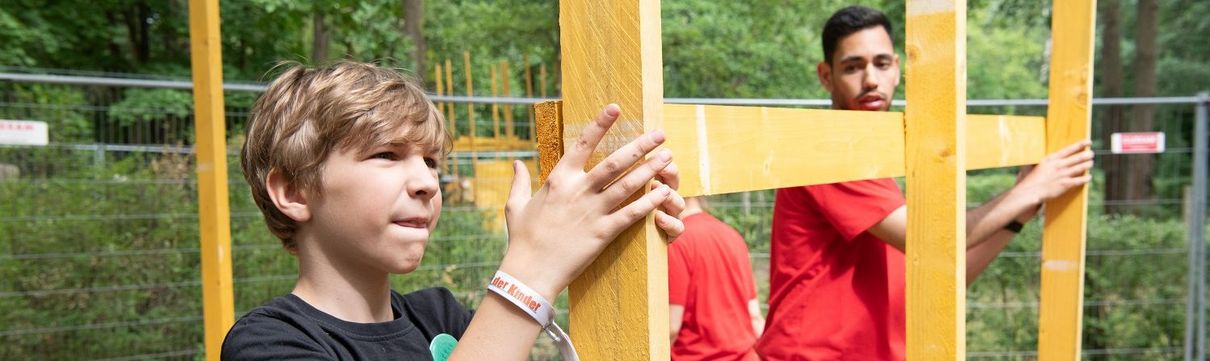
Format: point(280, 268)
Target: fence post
point(1197, 217)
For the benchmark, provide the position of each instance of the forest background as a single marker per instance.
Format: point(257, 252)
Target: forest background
point(98, 248)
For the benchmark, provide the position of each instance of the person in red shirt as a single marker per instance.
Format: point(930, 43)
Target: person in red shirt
point(714, 311)
point(836, 266)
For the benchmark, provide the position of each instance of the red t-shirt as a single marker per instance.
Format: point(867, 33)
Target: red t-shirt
point(836, 291)
point(710, 274)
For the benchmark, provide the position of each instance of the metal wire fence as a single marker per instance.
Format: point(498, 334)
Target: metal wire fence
point(99, 252)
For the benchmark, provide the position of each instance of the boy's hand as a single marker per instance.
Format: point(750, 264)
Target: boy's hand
point(1057, 173)
point(555, 233)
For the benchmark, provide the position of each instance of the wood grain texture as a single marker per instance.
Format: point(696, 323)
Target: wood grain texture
point(611, 54)
point(218, 305)
point(726, 149)
point(995, 141)
point(548, 128)
point(1063, 236)
point(936, 183)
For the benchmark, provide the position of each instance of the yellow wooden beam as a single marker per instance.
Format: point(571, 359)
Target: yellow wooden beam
point(213, 212)
point(548, 132)
point(1063, 236)
point(611, 54)
point(996, 141)
point(726, 149)
point(936, 183)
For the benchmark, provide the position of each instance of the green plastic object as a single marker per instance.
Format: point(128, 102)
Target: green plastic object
point(442, 346)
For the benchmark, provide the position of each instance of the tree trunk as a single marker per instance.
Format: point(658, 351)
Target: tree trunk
point(319, 40)
point(136, 32)
point(413, 24)
point(1111, 86)
point(1142, 166)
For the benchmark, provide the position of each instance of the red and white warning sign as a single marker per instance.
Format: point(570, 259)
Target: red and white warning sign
point(1140, 142)
point(23, 132)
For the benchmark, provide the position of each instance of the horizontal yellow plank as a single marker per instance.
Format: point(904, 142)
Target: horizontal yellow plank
point(726, 149)
point(995, 141)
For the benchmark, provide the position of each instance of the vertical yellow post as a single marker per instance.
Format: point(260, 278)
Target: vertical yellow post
point(470, 108)
point(611, 54)
point(452, 115)
point(218, 304)
point(495, 106)
point(548, 135)
point(936, 179)
point(440, 89)
point(529, 93)
point(449, 89)
point(1067, 121)
point(508, 108)
point(542, 81)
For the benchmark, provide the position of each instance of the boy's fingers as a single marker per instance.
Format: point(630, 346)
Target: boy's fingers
point(637, 179)
point(641, 207)
point(675, 204)
point(577, 155)
point(673, 227)
point(670, 175)
point(520, 193)
point(623, 158)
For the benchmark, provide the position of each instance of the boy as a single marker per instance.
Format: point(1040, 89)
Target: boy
point(342, 161)
point(713, 310)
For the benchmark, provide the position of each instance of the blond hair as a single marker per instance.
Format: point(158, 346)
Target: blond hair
point(306, 113)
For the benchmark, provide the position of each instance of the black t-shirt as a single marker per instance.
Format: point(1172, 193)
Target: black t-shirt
point(288, 328)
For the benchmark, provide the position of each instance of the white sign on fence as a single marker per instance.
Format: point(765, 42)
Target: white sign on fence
point(23, 132)
point(1140, 142)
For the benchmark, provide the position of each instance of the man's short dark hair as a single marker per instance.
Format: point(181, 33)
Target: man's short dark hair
point(848, 21)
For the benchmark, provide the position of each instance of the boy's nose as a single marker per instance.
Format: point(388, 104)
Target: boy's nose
point(421, 182)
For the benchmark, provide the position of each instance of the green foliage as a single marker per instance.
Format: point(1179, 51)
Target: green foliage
point(143, 104)
point(58, 106)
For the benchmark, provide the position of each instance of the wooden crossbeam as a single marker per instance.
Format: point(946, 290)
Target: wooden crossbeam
point(1063, 235)
point(611, 54)
point(727, 149)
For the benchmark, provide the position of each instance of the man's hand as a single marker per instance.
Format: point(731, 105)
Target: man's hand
point(1056, 174)
point(555, 233)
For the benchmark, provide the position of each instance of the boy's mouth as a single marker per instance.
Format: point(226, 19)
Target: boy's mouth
point(414, 222)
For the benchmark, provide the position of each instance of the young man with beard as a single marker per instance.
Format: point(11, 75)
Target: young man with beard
point(837, 270)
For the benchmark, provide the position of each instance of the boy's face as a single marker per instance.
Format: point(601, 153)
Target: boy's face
point(863, 72)
point(378, 207)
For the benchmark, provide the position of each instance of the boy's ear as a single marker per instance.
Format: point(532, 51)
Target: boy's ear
point(286, 197)
point(824, 71)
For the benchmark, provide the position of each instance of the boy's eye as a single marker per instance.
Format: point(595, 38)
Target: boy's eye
point(385, 155)
point(431, 162)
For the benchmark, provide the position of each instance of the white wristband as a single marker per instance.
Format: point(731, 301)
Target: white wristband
point(524, 297)
point(536, 306)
